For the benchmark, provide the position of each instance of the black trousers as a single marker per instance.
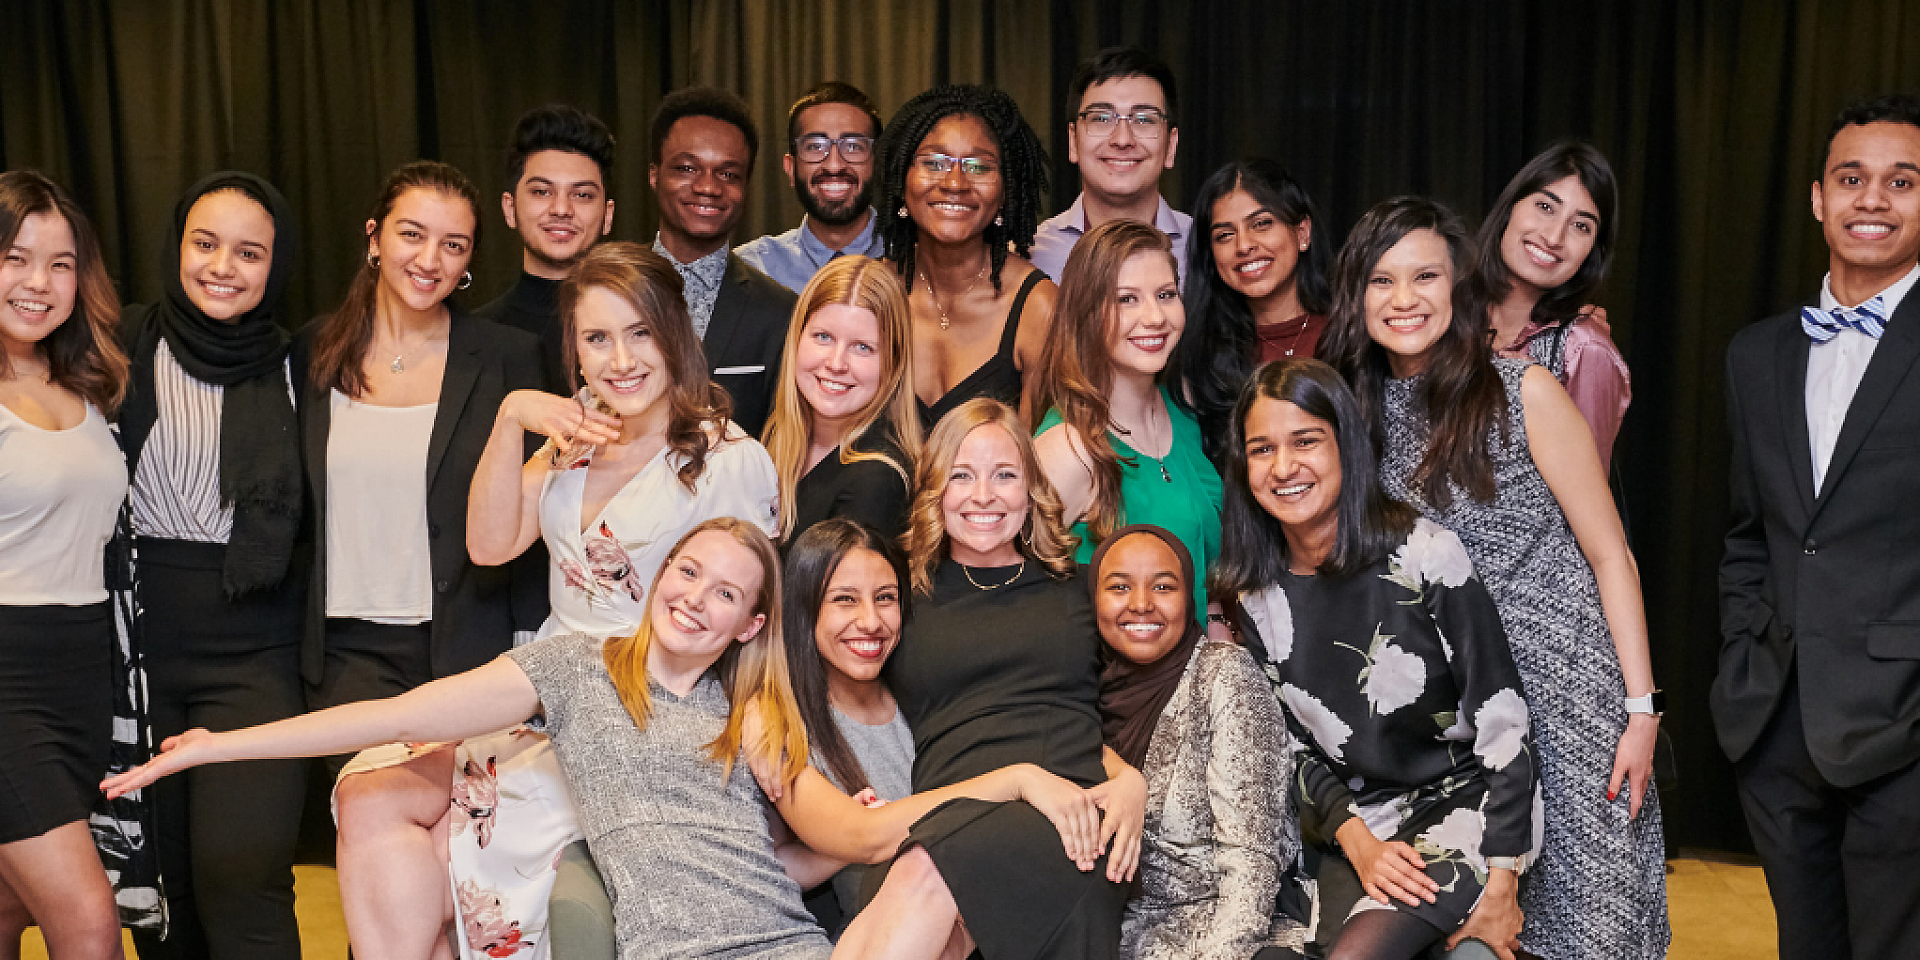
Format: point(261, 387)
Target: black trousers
point(226, 831)
point(1842, 863)
point(370, 661)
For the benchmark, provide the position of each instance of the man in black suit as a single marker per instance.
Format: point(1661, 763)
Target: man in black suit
point(703, 148)
point(1817, 699)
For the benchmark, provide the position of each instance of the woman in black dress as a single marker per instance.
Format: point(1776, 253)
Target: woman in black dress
point(1389, 657)
point(998, 664)
point(844, 433)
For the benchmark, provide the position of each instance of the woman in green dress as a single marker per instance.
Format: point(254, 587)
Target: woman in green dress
point(1113, 442)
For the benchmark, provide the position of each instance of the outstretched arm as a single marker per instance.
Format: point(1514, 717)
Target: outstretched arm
point(468, 704)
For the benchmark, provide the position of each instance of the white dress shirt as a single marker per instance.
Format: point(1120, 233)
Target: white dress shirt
point(1834, 369)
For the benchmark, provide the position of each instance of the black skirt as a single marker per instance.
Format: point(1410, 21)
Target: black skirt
point(56, 715)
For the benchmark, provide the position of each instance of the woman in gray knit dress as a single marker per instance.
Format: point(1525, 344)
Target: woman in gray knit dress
point(1496, 452)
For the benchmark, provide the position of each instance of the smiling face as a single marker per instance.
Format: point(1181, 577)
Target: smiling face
point(1141, 606)
point(1293, 468)
point(701, 182)
point(705, 600)
point(1868, 201)
point(859, 623)
point(837, 363)
point(985, 502)
point(1255, 251)
point(424, 246)
point(39, 279)
point(559, 208)
point(1549, 234)
point(1147, 314)
point(833, 190)
point(1121, 167)
point(953, 207)
point(226, 253)
point(619, 356)
point(1410, 300)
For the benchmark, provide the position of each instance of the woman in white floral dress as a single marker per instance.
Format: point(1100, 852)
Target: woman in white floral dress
point(1389, 658)
point(641, 456)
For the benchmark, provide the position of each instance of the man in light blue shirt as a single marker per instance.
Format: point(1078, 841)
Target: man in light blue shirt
point(1122, 136)
point(830, 143)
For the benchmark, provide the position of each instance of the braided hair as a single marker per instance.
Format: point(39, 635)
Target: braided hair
point(1023, 166)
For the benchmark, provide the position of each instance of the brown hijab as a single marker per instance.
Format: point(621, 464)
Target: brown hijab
point(1132, 695)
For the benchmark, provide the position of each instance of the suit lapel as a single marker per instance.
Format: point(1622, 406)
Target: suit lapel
point(463, 368)
point(1791, 355)
point(725, 322)
point(318, 409)
point(1898, 348)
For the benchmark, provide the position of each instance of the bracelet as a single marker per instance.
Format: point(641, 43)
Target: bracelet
point(1654, 703)
point(1504, 863)
point(1219, 618)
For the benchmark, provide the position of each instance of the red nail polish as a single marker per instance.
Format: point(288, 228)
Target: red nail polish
point(1610, 795)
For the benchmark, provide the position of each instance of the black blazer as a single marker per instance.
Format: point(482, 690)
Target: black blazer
point(744, 339)
point(1824, 590)
point(472, 606)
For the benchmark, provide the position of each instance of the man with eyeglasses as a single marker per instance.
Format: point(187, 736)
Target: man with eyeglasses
point(829, 163)
point(1121, 136)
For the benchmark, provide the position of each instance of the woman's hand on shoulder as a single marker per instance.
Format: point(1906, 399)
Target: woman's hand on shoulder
point(1123, 798)
point(563, 419)
point(1496, 919)
point(177, 753)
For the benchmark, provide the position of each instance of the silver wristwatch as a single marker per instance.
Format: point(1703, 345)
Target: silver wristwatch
point(1504, 863)
point(1654, 703)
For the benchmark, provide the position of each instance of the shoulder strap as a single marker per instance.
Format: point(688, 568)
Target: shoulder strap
point(1012, 328)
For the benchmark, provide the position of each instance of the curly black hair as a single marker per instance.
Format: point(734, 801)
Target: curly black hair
point(722, 105)
point(1023, 166)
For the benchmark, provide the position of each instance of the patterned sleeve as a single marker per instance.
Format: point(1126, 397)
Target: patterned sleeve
point(740, 482)
point(1482, 666)
point(553, 666)
point(1253, 834)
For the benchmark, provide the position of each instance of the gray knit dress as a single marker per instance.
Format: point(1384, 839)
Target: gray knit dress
point(1599, 887)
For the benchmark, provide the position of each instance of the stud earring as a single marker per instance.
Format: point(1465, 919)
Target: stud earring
point(902, 212)
point(466, 280)
point(998, 222)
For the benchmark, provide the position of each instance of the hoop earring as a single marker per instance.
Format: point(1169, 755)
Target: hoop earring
point(466, 280)
point(373, 260)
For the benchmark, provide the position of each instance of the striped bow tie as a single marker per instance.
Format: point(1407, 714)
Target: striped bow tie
point(1869, 318)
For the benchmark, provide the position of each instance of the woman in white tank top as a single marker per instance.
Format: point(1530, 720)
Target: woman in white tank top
point(62, 482)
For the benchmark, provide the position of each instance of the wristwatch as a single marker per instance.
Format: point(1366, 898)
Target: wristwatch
point(1654, 703)
point(1504, 863)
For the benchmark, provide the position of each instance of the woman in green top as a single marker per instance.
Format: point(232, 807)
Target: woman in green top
point(1112, 442)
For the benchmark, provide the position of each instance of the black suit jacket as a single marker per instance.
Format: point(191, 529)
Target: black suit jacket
point(1824, 590)
point(744, 339)
point(472, 609)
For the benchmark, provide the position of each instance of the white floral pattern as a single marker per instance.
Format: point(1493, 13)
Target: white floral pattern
point(1459, 834)
point(1273, 617)
point(1392, 677)
point(1501, 727)
point(1432, 554)
point(1329, 732)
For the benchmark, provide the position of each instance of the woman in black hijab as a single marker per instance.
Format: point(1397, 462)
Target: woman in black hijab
point(1197, 718)
point(211, 441)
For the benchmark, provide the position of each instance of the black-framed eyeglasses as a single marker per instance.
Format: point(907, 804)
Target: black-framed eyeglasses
point(813, 149)
point(1146, 124)
point(938, 165)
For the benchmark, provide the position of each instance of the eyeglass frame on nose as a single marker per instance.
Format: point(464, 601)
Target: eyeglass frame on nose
point(940, 164)
point(1157, 121)
point(833, 143)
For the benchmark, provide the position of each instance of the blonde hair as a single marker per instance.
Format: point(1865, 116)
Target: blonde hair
point(1044, 539)
point(753, 672)
point(853, 281)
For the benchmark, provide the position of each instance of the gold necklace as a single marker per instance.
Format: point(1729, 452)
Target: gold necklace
point(399, 359)
point(996, 586)
point(935, 295)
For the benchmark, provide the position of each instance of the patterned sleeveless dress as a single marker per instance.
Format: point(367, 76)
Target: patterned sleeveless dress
point(1599, 887)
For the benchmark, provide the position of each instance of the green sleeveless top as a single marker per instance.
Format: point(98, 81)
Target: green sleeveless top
point(1180, 492)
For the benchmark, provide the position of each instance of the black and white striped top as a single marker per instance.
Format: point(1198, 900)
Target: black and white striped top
point(176, 487)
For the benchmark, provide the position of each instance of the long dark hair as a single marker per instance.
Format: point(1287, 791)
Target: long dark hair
point(1460, 395)
point(1253, 545)
point(1568, 158)
point(811, 564)
point(1023, 171)
point(1215, 355)
point(340, 346)
point(83, 355)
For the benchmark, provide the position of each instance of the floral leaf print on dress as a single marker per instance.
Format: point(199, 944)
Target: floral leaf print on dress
point(1432, 554)
point(1329, 732)
point(609, 571)
point(483, 918)
point(1392, 677)
point(476, 796)
point(1455, 840)
point(1502, 729)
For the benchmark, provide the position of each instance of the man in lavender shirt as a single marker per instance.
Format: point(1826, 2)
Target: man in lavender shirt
point(1122, 135)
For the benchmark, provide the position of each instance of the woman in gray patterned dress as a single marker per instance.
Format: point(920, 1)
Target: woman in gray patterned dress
point(648, 729)
point(1496, 452)
point(1198, 719)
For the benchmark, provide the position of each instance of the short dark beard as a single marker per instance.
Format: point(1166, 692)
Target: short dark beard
point(840, 216)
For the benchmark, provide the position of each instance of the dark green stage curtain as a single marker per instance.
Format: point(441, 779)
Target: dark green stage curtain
point(1714, 113)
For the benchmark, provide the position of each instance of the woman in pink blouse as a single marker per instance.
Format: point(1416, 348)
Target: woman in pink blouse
point(1544, 249)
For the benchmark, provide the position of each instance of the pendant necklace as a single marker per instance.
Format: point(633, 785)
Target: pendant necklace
point(1160, 462)
point(994, 586)
point(935, 295)
point(399, 364)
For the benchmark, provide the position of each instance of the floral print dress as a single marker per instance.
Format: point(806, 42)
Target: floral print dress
point(1400, 685)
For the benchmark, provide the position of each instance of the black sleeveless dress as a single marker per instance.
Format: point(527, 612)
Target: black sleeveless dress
point(990, 678)
point(998, 377)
